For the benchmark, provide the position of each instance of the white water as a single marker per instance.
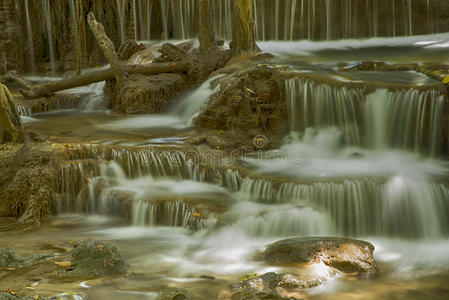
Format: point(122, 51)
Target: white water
point(406, 119)
point(305, 47)
point(180, 116)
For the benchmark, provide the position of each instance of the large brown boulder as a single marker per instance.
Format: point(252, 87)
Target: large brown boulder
point(346, 255)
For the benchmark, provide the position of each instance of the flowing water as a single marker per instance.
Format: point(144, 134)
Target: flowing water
point(30, 37)
point(48, 24)
point(361, 160)
point(306, 19)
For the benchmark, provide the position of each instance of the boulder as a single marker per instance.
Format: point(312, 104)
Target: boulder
point(346, 255)
point(94, 258)
point(274, 286)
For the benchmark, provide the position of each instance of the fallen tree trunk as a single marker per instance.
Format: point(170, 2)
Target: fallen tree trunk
point(108, 49)
point(47, 88)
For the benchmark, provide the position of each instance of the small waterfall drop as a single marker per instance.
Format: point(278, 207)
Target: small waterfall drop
point(321, 105)
point(121, 10)
point(356, 206)
point(30, 37)
point(407, 119)
point(47, 13)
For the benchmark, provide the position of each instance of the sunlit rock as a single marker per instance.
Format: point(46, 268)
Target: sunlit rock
point(346, 255)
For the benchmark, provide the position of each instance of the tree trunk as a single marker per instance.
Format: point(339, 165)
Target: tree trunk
point(108, 49)
point(43, 89)
point(206, 35)
point(9, 117)
point(243, 30)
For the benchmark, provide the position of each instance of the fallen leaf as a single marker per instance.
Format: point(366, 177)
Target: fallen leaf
point(446, 80)
point(63, 264)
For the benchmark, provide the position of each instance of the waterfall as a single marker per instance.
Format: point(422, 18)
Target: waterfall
point(74, 18)
point(279, 220)
point(47, 14)
point(321, 105)
point(136, 23)
point(149, 12)
point(166, 213)
point(164, 15)
point(407, 119)
point(356, 206)
point(328, 20)
point(121, 6)
point(30, 37)
point(290, 19)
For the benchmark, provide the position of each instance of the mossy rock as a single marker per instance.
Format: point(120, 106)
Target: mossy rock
point(9, 259)
point(94, 258)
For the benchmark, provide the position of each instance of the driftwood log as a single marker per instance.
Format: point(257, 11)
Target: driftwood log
point(47, 88)
point(108, 49)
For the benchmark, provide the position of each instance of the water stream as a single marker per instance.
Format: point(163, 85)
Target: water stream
point(360, 160)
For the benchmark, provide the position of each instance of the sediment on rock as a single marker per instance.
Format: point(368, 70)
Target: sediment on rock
point(145, 94)
point(346, 255)
point(27, 181)
point(96, 258)
point(249, 100)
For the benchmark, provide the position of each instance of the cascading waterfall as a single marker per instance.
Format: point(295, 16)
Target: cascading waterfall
point(279, 220)
point(407, 119)
point(166, 213)
point(321, 105)
point(292, 19)
point(30, 37)
point(48, 24)
point(400, 206)
point(164, 16)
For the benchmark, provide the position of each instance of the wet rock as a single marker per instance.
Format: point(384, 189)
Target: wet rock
point(261, 287)
point(96, 258)
point(9, 259)
point(272, 286)
point(249, 99)
point(9, 296)
point(346, 255)
point(181, 295)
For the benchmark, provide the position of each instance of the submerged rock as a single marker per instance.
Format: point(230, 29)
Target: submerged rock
point(272, 286)
point(9, 259)
point(346, 255)
point(9, 296)
point(96, 258)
